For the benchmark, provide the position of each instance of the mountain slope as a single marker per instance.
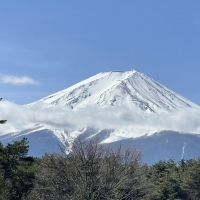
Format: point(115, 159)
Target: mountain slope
point(119, 88)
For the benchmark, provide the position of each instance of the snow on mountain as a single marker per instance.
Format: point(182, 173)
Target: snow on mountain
point(119, 88)
point(113, 106)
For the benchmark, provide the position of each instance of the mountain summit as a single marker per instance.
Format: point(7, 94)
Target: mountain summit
point(117, 88)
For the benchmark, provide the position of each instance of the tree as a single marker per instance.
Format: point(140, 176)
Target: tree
point(91, 171)
point(2, 121)
point(16, 170)
point(165, 181)
point(191, 179)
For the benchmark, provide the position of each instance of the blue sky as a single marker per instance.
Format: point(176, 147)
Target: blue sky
point(47, 46)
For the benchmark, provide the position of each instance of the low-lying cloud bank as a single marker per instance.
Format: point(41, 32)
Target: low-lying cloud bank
point(23, 117)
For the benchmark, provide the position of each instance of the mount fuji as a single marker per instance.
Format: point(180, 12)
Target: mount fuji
point(117, 88)
point(115, 107)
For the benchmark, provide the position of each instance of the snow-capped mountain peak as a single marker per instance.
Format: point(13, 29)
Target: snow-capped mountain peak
point(117, 88)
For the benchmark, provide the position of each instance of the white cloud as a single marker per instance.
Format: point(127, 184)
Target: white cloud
point(23, 117)
point(16, 80)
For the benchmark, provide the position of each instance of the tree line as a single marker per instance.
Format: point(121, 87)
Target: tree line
point(93, 171)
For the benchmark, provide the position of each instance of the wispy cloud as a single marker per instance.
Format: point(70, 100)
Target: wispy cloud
point(17, 80)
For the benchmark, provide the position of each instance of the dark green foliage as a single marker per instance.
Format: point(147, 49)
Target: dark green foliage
point(16, 170)
point(165, 180)
point(190, 181)
point(171, 180)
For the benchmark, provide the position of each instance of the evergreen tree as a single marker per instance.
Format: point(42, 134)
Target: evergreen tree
point(17, 170)
point(165, 183)
point(2, 121)
point(191, 179)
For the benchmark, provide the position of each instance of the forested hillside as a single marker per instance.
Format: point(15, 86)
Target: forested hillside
point(94, 171)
